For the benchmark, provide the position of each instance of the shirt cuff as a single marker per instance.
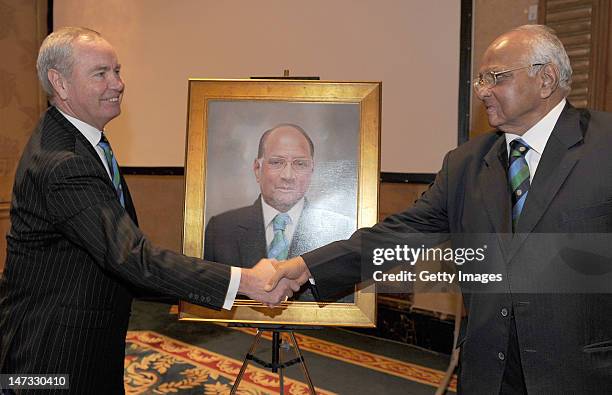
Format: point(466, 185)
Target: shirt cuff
point(232, 289)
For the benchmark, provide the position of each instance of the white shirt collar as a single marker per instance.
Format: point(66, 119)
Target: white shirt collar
point(270, 212)
point(538, 135)
point(92, 134)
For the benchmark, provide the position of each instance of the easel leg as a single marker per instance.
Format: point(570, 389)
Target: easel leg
point(246, 362)
point(276, 340)
point(302, 363)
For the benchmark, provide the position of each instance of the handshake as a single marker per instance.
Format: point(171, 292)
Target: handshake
point(272, 282)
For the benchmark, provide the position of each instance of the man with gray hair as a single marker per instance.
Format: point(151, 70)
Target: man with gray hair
point(75, 254)
point(544, 172)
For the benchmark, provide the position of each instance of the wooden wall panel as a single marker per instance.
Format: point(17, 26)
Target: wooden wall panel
point(4, 227)
point(395, 197)
point(23, 26)
point(608, 70)
point(159, 202)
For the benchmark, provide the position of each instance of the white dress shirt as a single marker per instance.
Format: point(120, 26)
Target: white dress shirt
point(94, 136)
point(270, 212)
point(537, 137)
point(294, 213)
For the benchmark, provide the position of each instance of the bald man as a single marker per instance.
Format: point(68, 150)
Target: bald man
point(281, 223)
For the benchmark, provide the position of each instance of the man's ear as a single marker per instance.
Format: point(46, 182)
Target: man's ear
point(59, 83)
point(550, 80)
point(257, 169)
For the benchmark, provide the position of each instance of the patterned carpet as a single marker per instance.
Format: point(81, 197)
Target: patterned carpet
point(156, 364)
point(405, 370)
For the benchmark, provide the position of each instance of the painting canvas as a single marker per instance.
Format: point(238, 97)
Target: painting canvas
point(275, 169)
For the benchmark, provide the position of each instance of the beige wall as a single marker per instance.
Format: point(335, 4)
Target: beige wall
point(412, 46)
point(490, 19)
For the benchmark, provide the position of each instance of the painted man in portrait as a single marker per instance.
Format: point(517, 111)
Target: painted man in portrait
point(282, 222)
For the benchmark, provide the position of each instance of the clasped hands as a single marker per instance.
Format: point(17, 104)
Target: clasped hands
point(272, 282)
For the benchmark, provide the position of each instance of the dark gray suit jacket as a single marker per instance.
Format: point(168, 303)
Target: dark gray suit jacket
point(74, 258)
point(237, 237)
point(564, 340)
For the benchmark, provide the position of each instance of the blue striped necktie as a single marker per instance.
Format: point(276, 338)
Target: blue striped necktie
point(518, 174)
point(113, 167)
point(279, 247)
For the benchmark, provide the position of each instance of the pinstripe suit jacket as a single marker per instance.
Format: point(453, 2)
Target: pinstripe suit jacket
point(74, 258)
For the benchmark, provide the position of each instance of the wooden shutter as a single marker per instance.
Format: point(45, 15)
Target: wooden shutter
point(582, 26)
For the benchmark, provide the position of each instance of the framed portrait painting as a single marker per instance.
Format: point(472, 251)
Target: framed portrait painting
point(274, 169)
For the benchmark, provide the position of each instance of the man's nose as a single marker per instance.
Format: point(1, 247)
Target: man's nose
point(482, 91)
point(288, 172)
point(116, 83)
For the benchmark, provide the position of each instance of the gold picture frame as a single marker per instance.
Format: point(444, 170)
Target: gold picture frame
point(361, 312)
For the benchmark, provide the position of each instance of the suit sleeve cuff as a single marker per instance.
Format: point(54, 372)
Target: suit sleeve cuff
point(232, 289)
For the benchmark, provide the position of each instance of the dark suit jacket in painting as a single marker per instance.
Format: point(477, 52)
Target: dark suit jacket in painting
point(237, 237)
point(564, 340)
point(74, 257)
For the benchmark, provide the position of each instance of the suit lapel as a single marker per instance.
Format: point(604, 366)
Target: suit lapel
point(84, 147)
point(127, 197)
point(495, 191)
point(558, 159)
point(252, 235)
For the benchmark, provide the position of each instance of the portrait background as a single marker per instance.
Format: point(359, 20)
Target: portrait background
point(234, 130)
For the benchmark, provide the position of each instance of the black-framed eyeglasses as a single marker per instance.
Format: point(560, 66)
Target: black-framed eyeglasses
point(298, 165)
point(491, 78)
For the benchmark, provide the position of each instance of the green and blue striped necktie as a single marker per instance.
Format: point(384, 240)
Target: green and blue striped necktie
point(518, 174)
point(113, 167)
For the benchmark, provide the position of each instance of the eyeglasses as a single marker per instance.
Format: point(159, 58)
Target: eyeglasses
point(298, 165)
point(491, 78)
